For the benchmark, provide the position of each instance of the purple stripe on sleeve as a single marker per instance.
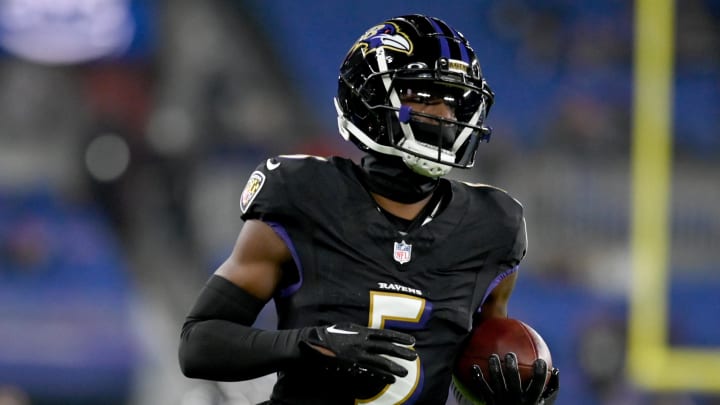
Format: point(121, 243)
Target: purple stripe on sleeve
point(495, 282)
point(282, 233)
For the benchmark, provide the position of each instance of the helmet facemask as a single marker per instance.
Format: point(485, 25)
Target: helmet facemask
point(433, 144)
point(375, 115)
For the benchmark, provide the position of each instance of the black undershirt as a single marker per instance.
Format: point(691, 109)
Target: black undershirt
point(391, 178)
point(405, 225)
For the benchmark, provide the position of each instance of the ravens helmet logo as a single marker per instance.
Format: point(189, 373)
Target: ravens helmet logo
point(384, 36)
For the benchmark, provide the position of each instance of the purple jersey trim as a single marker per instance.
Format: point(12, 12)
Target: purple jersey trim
point(282, 233)
point(406, 325)
point(494, 284)
point(421, 384)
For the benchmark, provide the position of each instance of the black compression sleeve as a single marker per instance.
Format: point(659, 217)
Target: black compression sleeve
point(217, 342)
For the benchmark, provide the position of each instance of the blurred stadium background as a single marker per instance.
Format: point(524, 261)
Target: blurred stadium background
point(129, 127)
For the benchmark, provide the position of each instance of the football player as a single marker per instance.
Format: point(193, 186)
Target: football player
point(378, 269)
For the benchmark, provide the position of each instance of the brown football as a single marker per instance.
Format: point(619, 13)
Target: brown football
point(501, 336)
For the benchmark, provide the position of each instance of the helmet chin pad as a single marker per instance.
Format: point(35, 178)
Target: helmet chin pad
point(425, 146)
point(425, 167)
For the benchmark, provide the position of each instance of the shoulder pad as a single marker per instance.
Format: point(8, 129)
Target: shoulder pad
point(495, 198)
point(266, 190)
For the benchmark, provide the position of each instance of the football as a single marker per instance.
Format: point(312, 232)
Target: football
point(500, 336)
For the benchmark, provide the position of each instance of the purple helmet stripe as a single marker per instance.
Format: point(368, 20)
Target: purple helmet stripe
point(282, 233)
point(444, 46)
point(460, 41)
point(456, 34)
point(463, 53)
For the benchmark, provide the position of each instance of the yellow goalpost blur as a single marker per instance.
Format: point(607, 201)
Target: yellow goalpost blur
point(652, 363)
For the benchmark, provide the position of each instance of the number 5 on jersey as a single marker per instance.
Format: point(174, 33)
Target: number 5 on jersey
point(401, 308)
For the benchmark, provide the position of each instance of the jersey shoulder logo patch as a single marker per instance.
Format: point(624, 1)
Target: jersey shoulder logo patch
point(252, 188)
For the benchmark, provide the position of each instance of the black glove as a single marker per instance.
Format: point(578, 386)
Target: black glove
point(356, 350)
point(503, 386)
point(552, 389)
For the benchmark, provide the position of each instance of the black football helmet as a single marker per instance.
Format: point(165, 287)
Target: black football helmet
point(426, 60)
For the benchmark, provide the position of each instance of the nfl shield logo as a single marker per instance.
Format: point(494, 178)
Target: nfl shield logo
point(402, 252)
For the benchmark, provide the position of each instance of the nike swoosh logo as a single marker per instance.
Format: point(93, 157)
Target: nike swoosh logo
point(333, 329)
point(272, 164)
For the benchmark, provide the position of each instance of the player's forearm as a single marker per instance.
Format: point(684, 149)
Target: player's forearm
point(225, 351)
point(218, 343)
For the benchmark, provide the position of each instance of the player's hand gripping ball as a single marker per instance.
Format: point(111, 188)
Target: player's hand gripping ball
point(495, 348)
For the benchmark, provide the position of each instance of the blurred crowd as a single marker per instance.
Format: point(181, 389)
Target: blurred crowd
point(120, 179)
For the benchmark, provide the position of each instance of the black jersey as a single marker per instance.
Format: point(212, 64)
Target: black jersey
point(353, 264)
